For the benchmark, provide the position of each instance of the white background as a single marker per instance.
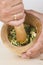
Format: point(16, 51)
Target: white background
point(34, 4)
point(6, 56)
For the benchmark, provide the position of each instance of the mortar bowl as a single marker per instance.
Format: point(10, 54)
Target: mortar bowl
point(29, 19)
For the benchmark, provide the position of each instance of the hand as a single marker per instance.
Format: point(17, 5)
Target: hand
point(38, 47)
point(10, 8)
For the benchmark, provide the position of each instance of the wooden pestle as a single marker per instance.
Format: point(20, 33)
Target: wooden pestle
point(20, 31)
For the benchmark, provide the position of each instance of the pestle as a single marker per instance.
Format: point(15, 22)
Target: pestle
point(20, 33)
point(19, 18)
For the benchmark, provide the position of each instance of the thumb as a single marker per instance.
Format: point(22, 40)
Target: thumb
point(35, 13)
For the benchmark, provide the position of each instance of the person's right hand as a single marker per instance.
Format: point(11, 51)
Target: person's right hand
point(9, 9)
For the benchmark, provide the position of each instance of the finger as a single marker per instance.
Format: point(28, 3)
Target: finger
point(11, 3)
point(35, 50)
point(13, 10)
point(35, 13)
point(16, 9)
point(17, 22)
point(41, 50)
point(33, 54)
point(8, 17)
point(19, 16)
point(24, 55)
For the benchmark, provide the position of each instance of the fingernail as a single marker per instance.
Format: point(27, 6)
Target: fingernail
point(24, 56)
point(29, 53)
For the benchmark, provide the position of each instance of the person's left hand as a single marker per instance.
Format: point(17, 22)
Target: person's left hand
point(38, 47)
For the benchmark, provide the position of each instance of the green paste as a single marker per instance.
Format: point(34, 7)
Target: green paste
point(31, 35)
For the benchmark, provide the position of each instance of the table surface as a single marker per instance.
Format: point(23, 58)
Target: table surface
point(9, 58)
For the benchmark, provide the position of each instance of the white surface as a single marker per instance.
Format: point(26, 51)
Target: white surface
point(34, 4)
point(6, 56)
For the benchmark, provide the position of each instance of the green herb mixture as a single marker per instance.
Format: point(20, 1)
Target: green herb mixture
point(31, 34)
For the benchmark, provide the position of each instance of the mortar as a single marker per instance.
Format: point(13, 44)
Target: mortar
point(29, 19)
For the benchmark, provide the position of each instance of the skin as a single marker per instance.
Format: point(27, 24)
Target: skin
point(10, 9)
point(37, 49)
